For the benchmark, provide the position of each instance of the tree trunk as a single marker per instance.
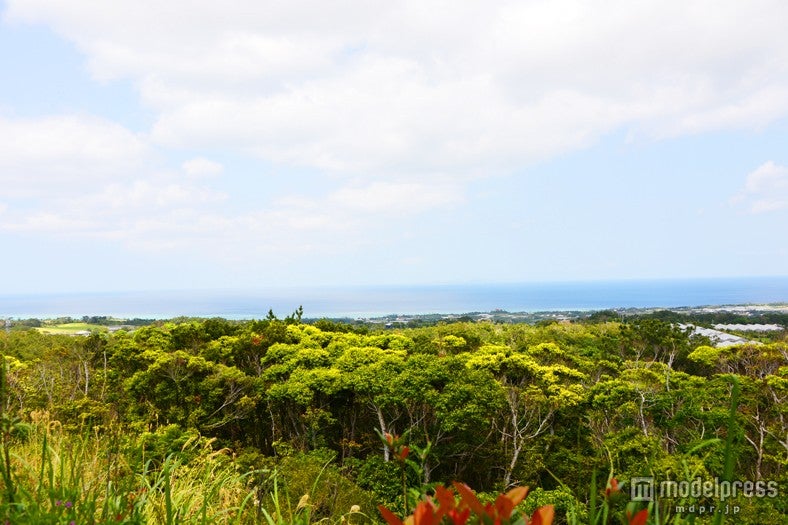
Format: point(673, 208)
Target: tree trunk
point(383, 431)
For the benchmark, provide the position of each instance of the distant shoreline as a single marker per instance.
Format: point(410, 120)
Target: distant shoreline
point(501, 315)
point(382, 301)
point(748, 310)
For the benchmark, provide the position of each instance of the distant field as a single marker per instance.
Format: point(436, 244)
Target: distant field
point(70, 328)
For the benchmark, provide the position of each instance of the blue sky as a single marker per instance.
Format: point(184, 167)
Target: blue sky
point(167, 145)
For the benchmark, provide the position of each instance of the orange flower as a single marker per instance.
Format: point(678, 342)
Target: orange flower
point(459, 517)
point(543, 516)
point(389, 516)
point(639, 518)
point(468, 498)
point(517, 495)
point(497, 513)
point(503, 507)
point(445, 498)
point(446, 501)
point(611, 487)
point(425, 514)
point(505, 503)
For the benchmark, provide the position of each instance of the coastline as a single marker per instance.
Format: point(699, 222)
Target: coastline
point(382, 301)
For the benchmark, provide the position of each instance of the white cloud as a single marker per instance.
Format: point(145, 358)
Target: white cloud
point(396, 89)
point(398, 103)
point(200, 167)
point(64, 153)
point(396, 198)
point(147, 195)
point(109, 211)
point(765, 189)
point(164, 215)
point(51, 223)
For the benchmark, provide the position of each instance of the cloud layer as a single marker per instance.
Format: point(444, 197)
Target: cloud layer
point(765, 190)
point(376, 87)
point(400, 105)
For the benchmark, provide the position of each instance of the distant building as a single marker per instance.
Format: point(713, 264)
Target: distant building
point(750, 327)
point(718, 338)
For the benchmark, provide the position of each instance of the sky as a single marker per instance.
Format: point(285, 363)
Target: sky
point(153, 145)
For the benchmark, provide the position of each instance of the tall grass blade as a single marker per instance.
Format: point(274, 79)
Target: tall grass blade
point(729, 459)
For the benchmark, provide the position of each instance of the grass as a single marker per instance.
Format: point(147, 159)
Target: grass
point(70, 328)
point(53, 476)
point(57, 477)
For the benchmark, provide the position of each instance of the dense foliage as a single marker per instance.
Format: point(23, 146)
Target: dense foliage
point(496, 406)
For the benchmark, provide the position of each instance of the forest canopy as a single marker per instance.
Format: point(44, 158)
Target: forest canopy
point(496, 406)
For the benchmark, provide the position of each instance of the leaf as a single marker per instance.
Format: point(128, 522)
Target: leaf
point(543, 516)
point(389, 516)
point(469, 499)
point(503, 507)
point(517, 494)
point(639, 518)
point(424, 514)
point(445, 499)
point(459, 518)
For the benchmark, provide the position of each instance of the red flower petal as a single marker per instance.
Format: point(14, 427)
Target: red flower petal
point(424, 514)
point(517, 494)
point(469, 499)
point(639, 518)
point(503, 507)
point(543, 516)
point(459, 518)
point(389, 516)
point(445, 499)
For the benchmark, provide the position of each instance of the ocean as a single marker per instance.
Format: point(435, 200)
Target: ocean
point(375, 301)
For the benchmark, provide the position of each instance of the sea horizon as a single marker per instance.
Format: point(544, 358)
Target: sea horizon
point(376, 301)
